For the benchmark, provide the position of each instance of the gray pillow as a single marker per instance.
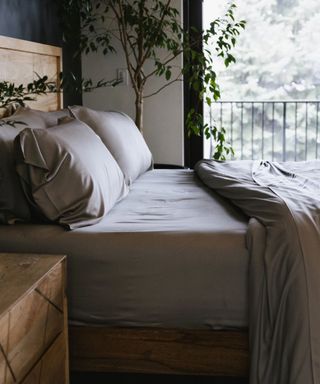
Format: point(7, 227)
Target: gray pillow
point(68, 172)
point(29, 117)
point(52, 118)
point(121, 136)
point(13, 203)
point(49, 118)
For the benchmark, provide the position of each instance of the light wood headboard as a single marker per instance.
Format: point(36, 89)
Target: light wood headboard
point(21, 60)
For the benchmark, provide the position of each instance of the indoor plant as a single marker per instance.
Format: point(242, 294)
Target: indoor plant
point(150, 32)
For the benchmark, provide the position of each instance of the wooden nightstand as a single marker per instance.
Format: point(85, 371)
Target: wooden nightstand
point(33, 319)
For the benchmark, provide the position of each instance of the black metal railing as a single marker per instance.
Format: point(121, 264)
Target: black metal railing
point(272, 130)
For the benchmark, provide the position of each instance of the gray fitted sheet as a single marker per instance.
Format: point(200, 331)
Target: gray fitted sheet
point(171, 254)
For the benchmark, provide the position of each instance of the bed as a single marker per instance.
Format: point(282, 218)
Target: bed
point(160, 283)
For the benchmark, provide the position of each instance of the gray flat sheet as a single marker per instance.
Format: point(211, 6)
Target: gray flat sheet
point(171, 254)
point(284, 268)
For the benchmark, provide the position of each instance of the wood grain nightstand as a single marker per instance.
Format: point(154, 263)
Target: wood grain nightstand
point(33, 319)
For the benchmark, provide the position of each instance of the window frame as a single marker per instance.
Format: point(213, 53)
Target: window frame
point(193, 145)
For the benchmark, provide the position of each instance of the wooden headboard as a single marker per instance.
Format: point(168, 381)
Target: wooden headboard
point(22, 60)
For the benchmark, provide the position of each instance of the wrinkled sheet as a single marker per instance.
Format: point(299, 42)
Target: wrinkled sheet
point(284, 271)
point(163, 256)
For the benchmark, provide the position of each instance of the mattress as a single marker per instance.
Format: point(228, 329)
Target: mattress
point(171, 254)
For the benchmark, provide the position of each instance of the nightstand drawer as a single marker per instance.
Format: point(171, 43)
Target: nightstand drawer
point(31, 325)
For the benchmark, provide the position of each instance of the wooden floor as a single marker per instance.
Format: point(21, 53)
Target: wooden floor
point(85, 378)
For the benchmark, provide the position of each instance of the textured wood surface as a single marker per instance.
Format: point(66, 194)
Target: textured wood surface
point(29, 46)
point(32, 300)
point(20, 273)
point(149, 350)
point(21, 61)
point(50, 368)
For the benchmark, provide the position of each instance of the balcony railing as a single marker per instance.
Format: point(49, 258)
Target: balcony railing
point(270, 130)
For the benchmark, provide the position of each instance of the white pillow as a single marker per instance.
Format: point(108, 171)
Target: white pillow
point(122, 137)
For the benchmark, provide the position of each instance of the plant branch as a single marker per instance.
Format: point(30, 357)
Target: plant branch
point(147, 53)
point(166, 62)
point(178, 78)
point(124, 41)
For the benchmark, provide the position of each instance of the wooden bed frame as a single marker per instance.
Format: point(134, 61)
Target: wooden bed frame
point(157, 350)
point(144, 350)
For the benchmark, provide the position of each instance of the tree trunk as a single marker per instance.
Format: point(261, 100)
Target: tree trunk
point(139, 112)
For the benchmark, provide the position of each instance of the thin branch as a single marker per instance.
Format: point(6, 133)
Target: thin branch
point(165, 63)
point(114, 35)
point(178, 78)
point(147, 53)
point(140, 38)
point(192, 44)
point(132, 49)
point(123, 39)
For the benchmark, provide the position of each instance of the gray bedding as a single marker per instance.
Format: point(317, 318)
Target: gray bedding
point(284, 288)
point(164, 256)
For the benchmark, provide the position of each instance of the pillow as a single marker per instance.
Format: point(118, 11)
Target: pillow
point(121, 136)
point(68, 173)
point(9, 110)
point(50, 119)
point(29, 117)
point(13, 203)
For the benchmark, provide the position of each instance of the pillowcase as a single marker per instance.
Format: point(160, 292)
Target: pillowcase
point(50, 119)
point(121, 136)
point(13, 203)
point(9, 110)
point(29, 117)
point(68, 173)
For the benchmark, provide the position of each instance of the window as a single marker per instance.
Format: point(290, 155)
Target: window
point(270, 98)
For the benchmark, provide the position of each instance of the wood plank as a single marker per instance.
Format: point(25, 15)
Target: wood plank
point(150, 350)
point(33, 324)
point(27, 322)
point(53, 363)
point(66, 329)
point(11, 64)
point(34, 376)
point(51, 285)
point(6, 374)
point(29, 46)
point(51, 368)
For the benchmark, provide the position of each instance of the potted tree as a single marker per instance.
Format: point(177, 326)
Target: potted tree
point(148, 28)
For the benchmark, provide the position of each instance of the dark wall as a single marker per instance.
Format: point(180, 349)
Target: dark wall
point(37, 20)
point(34, 20)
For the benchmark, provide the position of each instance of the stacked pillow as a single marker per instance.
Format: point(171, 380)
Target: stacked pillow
point(13, 203)
point(121, 136)
point(50, 118)
point(68, 173)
